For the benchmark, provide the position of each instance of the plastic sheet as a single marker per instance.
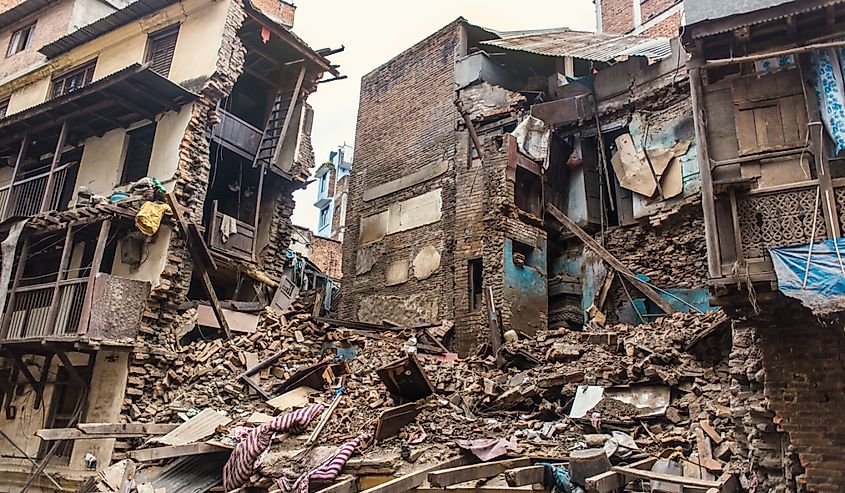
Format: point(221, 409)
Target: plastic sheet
point(824, 291)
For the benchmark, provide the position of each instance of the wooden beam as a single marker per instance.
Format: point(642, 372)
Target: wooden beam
point(128, 477)
point(10, 304)
point(99, 251)
point(53, 312)
point(74, 375)
point(610, 481)
point(524, 476)
point(409, 481)
point(18, 161)
point(151, 454)
point(127, 428)
point(348, 485)
point(501, 489)
point(57, 157)
point(297, 88)
point(461, 474)
point(130, 105)
point(36, 385)
point(773, 54)
point(631, 473)
point(610, 259)
point(708, 204)
point(30, 459)
point(199, 264)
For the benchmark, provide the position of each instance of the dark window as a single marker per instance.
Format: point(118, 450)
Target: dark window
point(138, 152)
point(476, 283)
point(160, 48)
point(21, 39)
point(4, 108)
point(73, 80)
point(324, 216)
point(68, 397)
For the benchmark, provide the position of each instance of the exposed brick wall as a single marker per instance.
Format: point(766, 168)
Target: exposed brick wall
point(406, 120)
point(326, 254)
point(617, 16)
point(649, 9)
point(52, 23)
point(668, 27)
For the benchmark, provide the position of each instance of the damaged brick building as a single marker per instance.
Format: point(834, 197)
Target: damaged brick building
point(150, 154)
point(468, 212)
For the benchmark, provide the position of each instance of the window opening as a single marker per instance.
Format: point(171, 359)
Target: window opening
point(73, 80)
point(476, 283)
point(21, 39)
point(139, 149)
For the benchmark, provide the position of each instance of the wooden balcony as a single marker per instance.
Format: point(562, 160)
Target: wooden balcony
point(28, 196)
point(240, 243)
point(236, 135)
point(51, 296)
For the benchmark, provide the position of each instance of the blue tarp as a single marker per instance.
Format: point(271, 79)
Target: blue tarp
point(825, 289)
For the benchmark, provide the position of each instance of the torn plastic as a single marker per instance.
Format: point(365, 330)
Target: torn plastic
point(824, 268)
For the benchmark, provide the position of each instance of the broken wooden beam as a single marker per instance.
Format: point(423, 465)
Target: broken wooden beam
point(689, 484)
point(610, 481)
point(347, 485)
point(460, 474)
point(524, 476)
point(414, 479)
point(593, 245)
point(151, 454)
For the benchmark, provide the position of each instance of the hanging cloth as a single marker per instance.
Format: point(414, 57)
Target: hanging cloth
point(828, 76)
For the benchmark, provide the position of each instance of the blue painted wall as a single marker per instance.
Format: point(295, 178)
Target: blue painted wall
point(526, 287)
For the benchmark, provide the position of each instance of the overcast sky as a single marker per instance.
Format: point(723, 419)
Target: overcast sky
point(373, 32)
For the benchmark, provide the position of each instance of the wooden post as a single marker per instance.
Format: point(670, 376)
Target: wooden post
point(102, 238)
point(590, 243)
point(53, 313)
point(294, 98)
point(18, 161)
point(10, 305)
point(708, 202)
point(199, 264)
point(495, 328)
point(820, 151)
point(51, 179)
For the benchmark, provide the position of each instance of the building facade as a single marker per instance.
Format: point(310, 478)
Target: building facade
point(640, 17)
point(333, 193)
point(197, 104)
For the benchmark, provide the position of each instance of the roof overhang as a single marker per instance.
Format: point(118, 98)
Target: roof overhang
point(23, 10)
point(130, 95)
point(132, 12)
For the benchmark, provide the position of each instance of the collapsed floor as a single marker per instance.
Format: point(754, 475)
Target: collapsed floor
point(665, 387)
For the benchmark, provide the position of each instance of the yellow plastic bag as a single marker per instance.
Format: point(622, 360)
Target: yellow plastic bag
point(149, 217)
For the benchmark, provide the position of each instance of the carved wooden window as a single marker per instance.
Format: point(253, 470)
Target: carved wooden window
point(160, 49)
point(769, 112)
point(73, 80)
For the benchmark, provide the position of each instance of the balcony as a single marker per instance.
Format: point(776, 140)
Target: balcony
point(28, 196)
point(53, 291)
point(236, 135)
point(240, 240)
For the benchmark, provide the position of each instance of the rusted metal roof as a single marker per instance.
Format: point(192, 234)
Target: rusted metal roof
point(196, 428)
point(599, 47)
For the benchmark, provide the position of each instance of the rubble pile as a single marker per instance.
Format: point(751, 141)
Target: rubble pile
point(531, 399)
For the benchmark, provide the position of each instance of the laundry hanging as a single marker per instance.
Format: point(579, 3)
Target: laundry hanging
point(828, 76)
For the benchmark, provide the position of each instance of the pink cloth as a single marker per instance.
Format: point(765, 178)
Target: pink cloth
point(240, 465)
point(325, 472)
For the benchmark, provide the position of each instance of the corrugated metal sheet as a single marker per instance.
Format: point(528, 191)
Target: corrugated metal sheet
point(700, 11)
point(195, 429)
point(600, 47)
point(192, 474)
point(22, 10)
point(132, 12)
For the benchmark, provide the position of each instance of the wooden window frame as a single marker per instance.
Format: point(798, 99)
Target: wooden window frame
point(129, 136)
point(63, 77)
point(64, 452)
point(14, 41)
point(156, 37)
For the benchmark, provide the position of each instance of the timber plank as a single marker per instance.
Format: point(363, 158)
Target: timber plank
point(610, 481)
point(150, 454)
point(410, 481)
point(460, 474)
point(652, 476)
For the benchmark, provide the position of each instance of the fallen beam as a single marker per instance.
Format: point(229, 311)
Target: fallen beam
point(460, 474)
point(410, 481)
point(593, 245)
point(348, 485)
point(524, 476)
point(150, 454)
point(501, 489)
point(127, 428)
point(691, 484)
point(610, 481)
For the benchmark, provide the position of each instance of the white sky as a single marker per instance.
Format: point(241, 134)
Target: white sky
point(373, 32)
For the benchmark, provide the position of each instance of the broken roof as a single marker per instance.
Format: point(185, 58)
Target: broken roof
point(600, 47)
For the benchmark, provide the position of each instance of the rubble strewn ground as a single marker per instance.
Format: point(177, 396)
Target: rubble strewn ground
point(530, 398)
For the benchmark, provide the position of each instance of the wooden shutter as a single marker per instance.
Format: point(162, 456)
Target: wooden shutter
point(161, 49)
point(138, 153)
point(770, 112)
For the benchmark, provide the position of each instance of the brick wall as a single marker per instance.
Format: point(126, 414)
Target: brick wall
point(52, 23)
point(617, 16)
point(668, 27)
point(406, 120)
point(650, 9)
point(325, 253)
point(340, 195)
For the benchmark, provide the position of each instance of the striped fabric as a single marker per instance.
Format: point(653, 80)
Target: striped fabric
point(325, 472)
point(240, 465)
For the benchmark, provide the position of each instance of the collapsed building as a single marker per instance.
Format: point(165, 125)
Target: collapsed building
point(151, 151)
